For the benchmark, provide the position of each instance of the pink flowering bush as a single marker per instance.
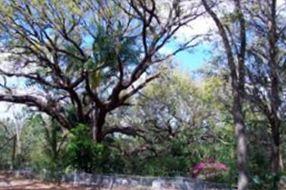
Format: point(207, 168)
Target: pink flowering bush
point(208, 169)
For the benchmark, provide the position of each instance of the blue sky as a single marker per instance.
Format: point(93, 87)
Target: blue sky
point(192, 59)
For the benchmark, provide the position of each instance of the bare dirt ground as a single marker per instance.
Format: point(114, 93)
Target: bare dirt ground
point(8, 182)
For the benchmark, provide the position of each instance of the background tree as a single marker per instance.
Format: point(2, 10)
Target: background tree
point(11, 131)
point(236, 65)
point(7, 139)
point(265, 71)
point(178, 124)
point(49, 148)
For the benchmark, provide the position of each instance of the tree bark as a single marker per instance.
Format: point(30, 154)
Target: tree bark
point(275, 103)
point(276, 157)
point(241, 147)
point(276, 145)
point(14, 151)
point(98, 122)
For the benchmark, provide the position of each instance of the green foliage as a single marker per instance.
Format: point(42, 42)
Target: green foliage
point(83, 153)
point(33, 144)
point(109, 47)
point(5, 147)
point(184, 123)
point(43, 146)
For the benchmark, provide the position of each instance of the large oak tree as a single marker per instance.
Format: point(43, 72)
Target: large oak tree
point(85, 58)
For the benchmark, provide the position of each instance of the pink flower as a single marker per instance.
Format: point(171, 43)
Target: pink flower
point(198, 168)
point(209, 166)
point(220, 166)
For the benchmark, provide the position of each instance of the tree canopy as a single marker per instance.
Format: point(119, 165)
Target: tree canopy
point(103, 91)
point(83, 59)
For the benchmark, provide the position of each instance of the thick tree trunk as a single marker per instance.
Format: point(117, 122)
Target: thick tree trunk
point(98, 122)
point(237, 75)
point(276, 157)
point(275, 101)
point(275, 126)
point(241, 147)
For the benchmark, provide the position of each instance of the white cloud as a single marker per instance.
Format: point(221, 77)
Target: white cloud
point(281, 3)
point(200, 26)
point(204, 24)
